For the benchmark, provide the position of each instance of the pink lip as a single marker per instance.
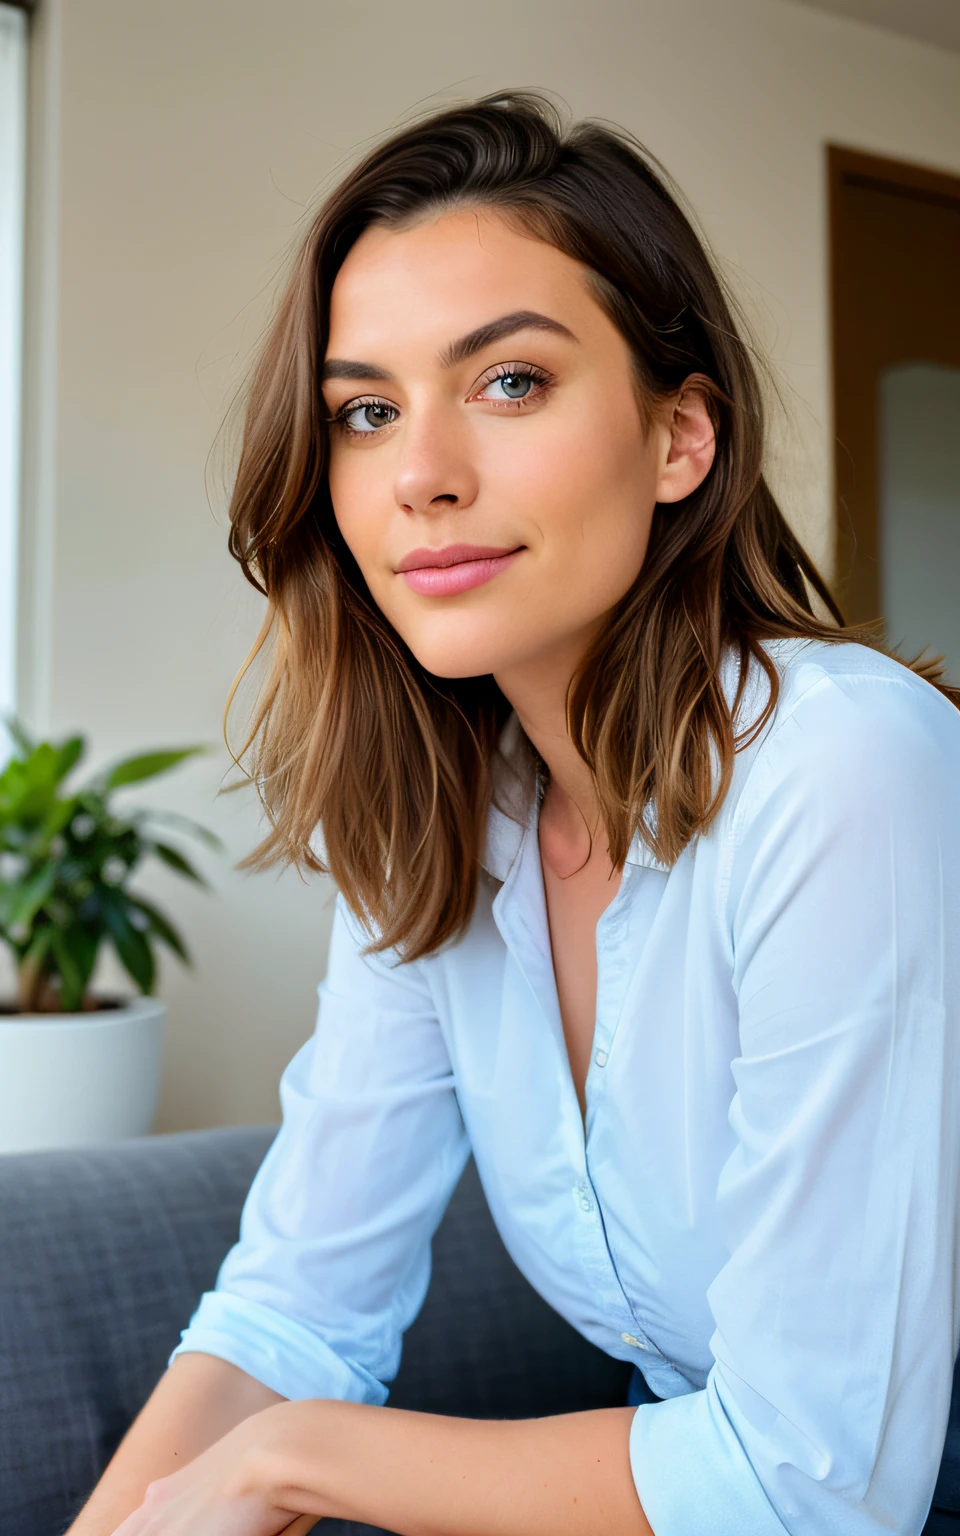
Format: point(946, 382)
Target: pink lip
point(457, 568)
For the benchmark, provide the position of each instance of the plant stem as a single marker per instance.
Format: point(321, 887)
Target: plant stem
point(34, 992)
point(29, 985)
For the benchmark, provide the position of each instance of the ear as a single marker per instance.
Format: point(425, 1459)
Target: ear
point(693, 442)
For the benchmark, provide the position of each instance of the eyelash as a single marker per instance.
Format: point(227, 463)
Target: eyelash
point(541, 379)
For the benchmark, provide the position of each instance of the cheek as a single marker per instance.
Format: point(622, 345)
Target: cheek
point(362, 506)
point(343, 490)
point(591, 492)
point(353, 493)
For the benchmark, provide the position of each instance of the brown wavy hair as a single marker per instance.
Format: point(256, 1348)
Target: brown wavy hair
point(349, 733)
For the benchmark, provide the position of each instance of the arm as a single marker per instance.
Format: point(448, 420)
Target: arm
point(418, 1474)
point(196, 1401)
point(333, 1257)
point(429, 1475)
point(332, 1264)
point(838, 1310)
point(333, 1260)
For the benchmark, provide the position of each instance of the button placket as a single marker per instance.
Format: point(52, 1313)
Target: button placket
point(613, 968)
point(614, 972)
point(598, 1263)
point(582, 1195)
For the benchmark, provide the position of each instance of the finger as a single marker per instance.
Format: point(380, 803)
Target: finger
point(300, 1526)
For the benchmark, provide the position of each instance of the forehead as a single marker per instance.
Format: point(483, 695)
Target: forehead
point(448, 272)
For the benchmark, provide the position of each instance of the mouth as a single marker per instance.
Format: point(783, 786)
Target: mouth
point(455, 568)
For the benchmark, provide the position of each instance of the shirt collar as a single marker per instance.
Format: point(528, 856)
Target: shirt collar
point(514, 809)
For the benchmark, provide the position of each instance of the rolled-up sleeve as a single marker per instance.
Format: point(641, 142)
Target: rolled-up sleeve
point(333, 1258)
point(837, 1317)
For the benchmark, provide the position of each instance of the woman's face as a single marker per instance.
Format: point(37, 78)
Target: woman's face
point(490, 471)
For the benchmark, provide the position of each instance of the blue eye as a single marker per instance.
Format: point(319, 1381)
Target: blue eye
point(515, 385)
point(521, 384)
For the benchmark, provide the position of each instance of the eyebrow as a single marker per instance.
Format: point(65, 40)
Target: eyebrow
point(457, 351)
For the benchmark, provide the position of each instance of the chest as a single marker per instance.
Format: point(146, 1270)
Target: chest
point(575, 903)
point(573, 993)
point(623, 979)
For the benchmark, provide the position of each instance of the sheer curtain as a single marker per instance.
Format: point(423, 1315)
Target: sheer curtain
point(13, 82)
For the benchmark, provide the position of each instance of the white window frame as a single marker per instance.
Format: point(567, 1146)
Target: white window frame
point(13, 129)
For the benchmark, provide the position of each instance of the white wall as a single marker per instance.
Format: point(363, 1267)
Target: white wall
point(175, 149)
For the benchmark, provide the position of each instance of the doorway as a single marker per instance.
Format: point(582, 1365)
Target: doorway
point(895, 299)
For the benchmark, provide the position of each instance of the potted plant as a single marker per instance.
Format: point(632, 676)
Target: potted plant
point(76, 1068)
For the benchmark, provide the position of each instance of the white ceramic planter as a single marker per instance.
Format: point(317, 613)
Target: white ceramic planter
point(74, 1080)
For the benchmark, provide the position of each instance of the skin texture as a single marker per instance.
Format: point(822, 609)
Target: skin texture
point(571, 474)
point(198, 1400)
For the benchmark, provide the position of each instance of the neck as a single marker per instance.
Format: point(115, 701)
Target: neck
point(537, 692)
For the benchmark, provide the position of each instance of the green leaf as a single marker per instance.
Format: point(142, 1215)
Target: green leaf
point(71, 982)
point(18, 735)
point(75, 953)
point(137, 957)
point(23, 900)
point(176, 860)
point(69, 754)
point(92, 801)
point(28, 787)
point(146, 765)
point(132, 948)
point(174, 819)
point(57, 817)
point(36, 951)
point(161, 927)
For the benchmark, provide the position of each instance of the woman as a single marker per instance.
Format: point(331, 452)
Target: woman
point(649, 885)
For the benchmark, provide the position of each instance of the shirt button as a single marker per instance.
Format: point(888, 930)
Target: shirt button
point(601, 1058)
point(628, 1338)
point(586, 1205)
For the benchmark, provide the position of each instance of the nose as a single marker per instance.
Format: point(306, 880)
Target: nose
point(435, 471)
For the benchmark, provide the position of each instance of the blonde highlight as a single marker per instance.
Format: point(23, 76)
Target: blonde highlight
point(350, 735)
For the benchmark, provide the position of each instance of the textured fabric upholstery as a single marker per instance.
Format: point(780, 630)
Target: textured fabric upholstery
point(104, 1253)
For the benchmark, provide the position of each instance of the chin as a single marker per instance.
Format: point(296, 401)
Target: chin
point(451, 661)
point(459, 649)
point(445, 664)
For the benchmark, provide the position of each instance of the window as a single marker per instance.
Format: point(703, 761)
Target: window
point(13, 92)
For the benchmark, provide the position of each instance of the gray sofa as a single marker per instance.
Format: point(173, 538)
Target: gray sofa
point(104, 1253)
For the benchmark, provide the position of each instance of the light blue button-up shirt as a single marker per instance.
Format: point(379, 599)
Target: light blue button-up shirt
point(764, 1212)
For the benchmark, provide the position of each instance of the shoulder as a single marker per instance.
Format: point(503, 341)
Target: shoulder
point(852, 729)
point(841, 695)
point(357, 967)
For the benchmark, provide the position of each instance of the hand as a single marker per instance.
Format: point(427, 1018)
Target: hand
point(219, 1493)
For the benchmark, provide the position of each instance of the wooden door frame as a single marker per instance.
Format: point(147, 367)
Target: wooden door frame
point(856, 515)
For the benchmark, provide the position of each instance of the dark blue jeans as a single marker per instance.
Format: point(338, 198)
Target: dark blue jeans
point(638, 1392)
